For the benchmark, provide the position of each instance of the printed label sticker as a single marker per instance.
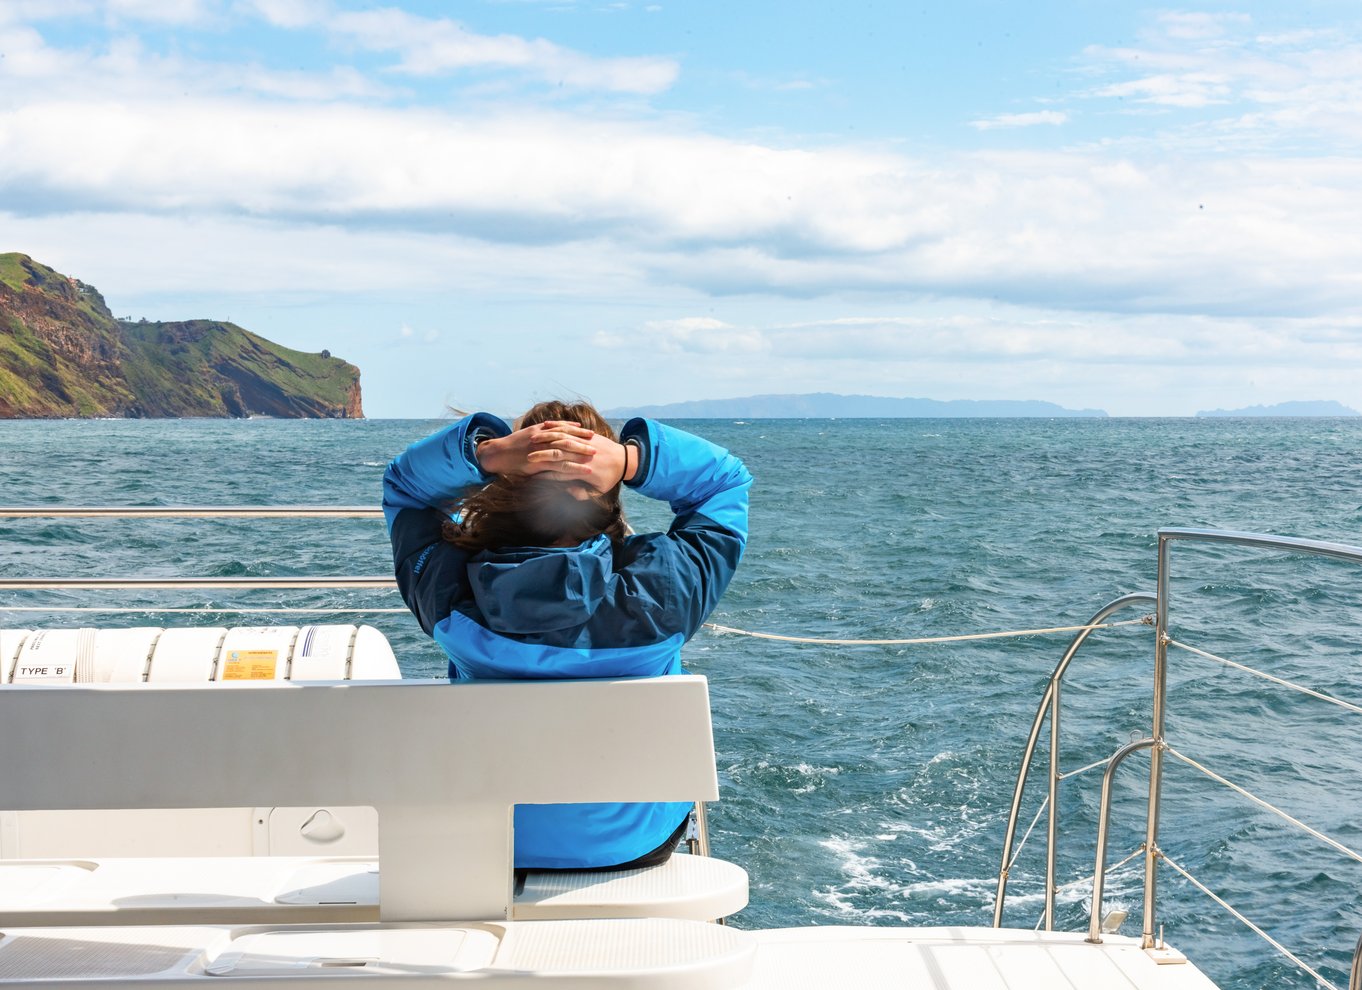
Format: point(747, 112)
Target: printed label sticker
point(249, 665)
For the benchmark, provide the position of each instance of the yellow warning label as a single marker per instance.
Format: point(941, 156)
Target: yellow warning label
point(249, 665)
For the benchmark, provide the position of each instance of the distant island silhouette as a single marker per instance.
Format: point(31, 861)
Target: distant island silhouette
point(829, 405)
point(1321, 407)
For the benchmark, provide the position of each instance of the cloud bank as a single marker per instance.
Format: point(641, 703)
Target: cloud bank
point(1220, 225)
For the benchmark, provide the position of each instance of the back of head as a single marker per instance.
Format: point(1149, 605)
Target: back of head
point(581, 413)
point(519, 511)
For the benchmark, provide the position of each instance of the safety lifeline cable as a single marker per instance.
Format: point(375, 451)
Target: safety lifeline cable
point(920, 640)
point(712, 626)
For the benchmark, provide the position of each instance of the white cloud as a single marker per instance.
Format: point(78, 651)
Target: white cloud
point(1007, 120)
point(141, 255)
point(124, 70)
point(406, 335)
point(1188, 89)
point(164, 12)
point(1091, 359)
point(691, 335)
point(430, 46)
point(1195, 26)
point(1263, 88)
point(1083, 230)
point(289, 13)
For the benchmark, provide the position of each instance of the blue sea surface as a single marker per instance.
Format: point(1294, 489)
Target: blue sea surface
point(870, 784)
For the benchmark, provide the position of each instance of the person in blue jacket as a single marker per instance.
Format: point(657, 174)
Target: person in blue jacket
point(511, 550)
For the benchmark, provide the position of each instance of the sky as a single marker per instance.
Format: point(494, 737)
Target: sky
point(1148, 210)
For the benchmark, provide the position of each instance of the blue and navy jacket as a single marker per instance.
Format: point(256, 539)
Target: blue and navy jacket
point(583, 611)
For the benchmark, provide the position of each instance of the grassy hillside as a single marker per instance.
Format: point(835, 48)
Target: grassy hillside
point(62, 353)
point(203, 363)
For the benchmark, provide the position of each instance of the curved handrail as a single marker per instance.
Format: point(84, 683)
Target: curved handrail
point(1355, 974)
point(1103, 822)
point(1050, 696)
point(1263, 541)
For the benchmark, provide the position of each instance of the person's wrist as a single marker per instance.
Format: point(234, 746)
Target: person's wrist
point(485, 448)
point(630, 462)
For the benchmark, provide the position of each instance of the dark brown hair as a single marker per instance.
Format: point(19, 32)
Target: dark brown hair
point(528, 511)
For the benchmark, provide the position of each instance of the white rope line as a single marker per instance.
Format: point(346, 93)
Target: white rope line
point(1045, 803)
point(1357, 857)
point(1083, 881)
point(1081, 770)
point(1022, 844)
point(1087, 881)
point(1268, 677)
point(1261, 934)
point(729, 630)
point(204, 611)
point(723, 630)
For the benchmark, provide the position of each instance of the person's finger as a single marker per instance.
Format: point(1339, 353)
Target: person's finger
point(565, 426)
point(565, 443)
point(554, 455)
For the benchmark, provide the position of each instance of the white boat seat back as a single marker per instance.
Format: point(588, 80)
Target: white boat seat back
point(442, 765)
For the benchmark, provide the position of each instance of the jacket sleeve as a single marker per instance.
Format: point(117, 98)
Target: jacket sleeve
point(418, 486)
point(707, 488)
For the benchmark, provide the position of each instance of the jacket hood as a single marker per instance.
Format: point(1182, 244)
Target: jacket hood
point(541, 589)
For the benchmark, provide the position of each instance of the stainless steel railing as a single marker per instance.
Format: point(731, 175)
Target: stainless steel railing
point(166, 583)
point(1157, 745)
point(191, 512)
point(1049, 706)
point(1167, 537)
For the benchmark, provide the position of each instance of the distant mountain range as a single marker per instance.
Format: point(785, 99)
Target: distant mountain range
point(827, 405)
point(63, 354)
point(1318, 408)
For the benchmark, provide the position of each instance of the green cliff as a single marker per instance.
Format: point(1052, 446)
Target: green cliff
point(62, 353)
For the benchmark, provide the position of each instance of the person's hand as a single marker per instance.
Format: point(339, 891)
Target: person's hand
point(603, 472)
point(560, 449)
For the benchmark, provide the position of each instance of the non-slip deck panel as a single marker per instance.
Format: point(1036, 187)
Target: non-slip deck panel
point(641, 954)
point(958, 959)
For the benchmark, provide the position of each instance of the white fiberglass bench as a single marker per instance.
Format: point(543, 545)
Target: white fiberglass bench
point(179, 860)
point(442, 766)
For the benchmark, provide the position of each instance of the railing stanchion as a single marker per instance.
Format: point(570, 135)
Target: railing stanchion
point(1052, 825)
point(1151, 838)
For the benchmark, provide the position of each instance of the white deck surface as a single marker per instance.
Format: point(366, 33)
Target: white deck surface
point(959, 959)
point(639, 954)
point(583, 955)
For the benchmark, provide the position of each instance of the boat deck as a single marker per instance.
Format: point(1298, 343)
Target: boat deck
point(962, 959)
point(640, 954)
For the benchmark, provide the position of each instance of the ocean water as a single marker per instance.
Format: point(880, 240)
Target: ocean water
point(869, 784)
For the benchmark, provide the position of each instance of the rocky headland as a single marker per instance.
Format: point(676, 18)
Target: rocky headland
point(64, 354)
